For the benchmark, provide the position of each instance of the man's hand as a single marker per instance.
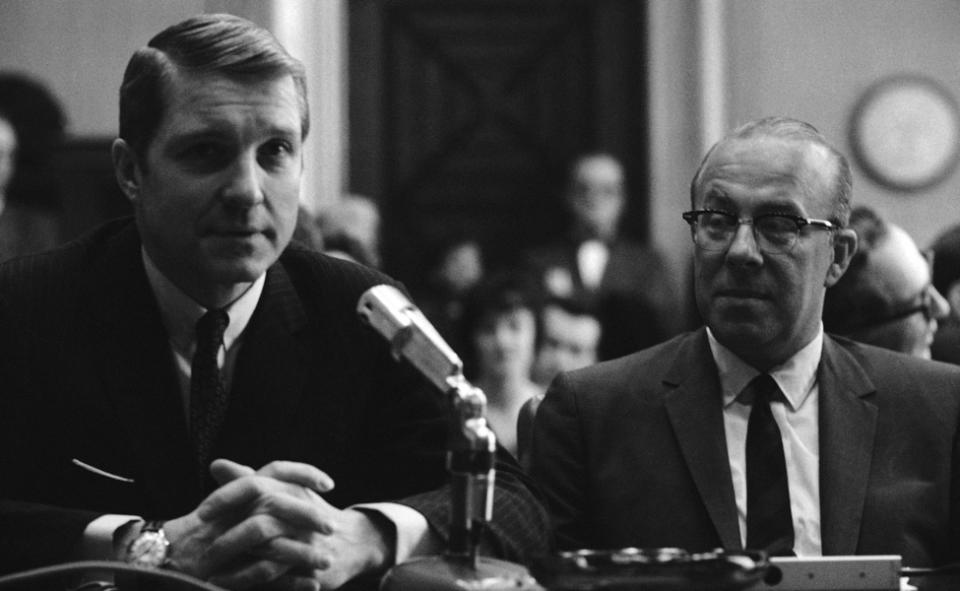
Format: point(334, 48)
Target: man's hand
point(283, 532)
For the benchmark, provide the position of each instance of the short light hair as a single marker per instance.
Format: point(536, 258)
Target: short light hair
point(791, 129)
point(220, 44)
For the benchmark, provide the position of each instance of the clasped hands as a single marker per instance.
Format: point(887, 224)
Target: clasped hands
point(270, 528)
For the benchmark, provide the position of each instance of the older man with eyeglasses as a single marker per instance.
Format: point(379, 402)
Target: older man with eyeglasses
point(759, 430)
point(886, 297)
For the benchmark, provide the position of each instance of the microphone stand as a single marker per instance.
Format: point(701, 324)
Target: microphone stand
point(471, 455)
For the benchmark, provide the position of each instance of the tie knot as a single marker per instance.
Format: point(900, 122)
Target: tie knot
point(762, 388)
point(211, 326)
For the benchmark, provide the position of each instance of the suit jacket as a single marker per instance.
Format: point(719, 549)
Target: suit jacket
point(25, 230)
point(636, 300)
point(632, 452)
point(87, 374)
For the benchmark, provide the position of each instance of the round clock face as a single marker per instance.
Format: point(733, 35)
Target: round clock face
point(905, 133)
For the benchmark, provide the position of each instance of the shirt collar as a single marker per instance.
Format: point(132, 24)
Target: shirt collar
point(795, 377)
point(180, 312)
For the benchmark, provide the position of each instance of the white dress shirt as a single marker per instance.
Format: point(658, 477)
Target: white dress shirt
point(592, 257)
point(797, 419)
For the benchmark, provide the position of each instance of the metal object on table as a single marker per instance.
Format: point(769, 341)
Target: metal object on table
point(650, 569)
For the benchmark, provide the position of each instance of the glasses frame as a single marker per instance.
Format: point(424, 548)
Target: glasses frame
point(925, 307)
point(692, 218)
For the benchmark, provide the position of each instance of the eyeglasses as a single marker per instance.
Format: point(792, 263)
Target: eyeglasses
point(774, 233)
point(923, 302)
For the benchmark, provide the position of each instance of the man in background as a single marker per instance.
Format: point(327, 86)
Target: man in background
point(946, 279)
point(569, 339)
point(183, 390)
point(629, 285)
point(886, 297)
point(758, 430)
point(31, 130)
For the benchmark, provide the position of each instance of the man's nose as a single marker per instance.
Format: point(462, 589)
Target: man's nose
point(743, 246)
point(244, 186)
point(939, 306)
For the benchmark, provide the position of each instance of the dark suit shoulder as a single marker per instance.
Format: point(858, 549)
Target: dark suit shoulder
point(53, 277)
point(641, 374)
point(330, 280)
point(900, 377)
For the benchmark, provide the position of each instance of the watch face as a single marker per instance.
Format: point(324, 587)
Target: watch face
point(149, 549)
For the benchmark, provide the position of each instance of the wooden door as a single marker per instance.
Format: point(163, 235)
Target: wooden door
point(464, 115)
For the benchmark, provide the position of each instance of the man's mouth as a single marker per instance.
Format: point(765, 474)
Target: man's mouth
point(738, 293)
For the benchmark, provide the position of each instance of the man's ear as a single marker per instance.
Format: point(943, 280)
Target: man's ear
point(844, 245)
point(126, 167)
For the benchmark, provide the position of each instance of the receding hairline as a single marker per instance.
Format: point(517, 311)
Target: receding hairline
point(837, 181)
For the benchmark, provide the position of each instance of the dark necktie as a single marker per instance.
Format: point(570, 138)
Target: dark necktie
point(208, 396)
point(769, 521)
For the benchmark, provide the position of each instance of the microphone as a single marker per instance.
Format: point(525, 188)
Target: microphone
point(471, 452)
point(410, 334)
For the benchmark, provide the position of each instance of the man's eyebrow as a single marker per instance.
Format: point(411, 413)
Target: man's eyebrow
point(208, 133)
point(716, 194)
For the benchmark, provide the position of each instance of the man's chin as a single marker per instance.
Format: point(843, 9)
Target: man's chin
point(740, 336)
point(239, 270)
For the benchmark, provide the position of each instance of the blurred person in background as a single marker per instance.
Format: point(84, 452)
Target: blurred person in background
point(886, 297)
point(353, 222)
point(31, 129)
point(630, 285)
point(306, 231)
point(569, 339)
point(499, 327)
point(454, 265)
point(946, 279)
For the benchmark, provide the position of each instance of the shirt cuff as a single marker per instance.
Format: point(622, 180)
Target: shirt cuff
point(414, 536)
point(97, 542)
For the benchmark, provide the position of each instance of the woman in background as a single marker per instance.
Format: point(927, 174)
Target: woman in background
point(500, 326)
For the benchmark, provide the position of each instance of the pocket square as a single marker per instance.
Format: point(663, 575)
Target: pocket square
point(99, 472)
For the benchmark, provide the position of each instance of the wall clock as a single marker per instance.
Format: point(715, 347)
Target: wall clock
point(905, 132)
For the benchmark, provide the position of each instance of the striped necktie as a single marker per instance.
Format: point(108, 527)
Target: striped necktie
point(208, 396)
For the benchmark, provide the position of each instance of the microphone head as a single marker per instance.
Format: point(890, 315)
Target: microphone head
point(411, 336)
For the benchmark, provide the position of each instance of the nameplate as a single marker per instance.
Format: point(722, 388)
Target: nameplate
point(833, 573)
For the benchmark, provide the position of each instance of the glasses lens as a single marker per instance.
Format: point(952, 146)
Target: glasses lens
point(715, 229)
point(776, 233)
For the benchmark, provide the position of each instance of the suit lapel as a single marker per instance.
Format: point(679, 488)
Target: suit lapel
point(695, 410)
point(847, 428)
point(131, 353)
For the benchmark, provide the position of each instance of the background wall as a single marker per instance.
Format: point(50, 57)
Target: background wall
point(79, 49)
point(813, 60)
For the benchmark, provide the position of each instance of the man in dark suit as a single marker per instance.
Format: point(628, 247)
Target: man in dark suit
point(287, 448)
point(662, 447)
point(629, 285)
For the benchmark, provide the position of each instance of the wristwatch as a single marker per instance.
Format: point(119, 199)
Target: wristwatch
point(150, 548)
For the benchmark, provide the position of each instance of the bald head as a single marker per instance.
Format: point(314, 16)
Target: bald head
point(886, 297)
